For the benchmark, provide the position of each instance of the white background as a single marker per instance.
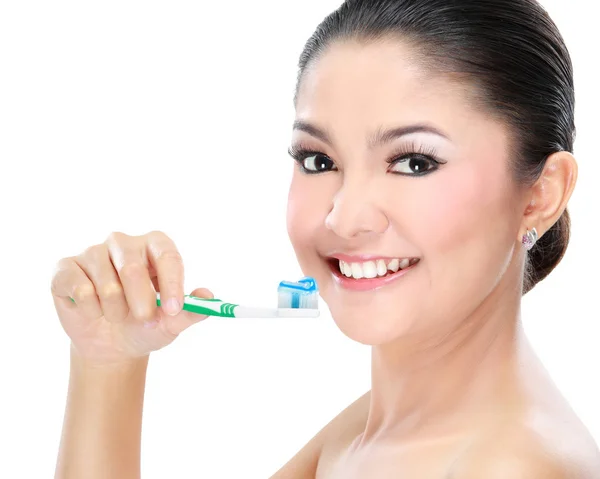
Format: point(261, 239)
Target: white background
point(134, 116)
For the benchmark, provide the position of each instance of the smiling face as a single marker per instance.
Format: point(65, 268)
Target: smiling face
point(399, 166)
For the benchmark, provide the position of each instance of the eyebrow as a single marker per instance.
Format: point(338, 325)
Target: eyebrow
point(381, 137)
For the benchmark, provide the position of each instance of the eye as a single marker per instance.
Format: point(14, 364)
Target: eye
point(413, 164)
point(317, 163)
point(312, 162)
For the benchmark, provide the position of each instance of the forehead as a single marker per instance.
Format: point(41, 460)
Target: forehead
point(381, 81)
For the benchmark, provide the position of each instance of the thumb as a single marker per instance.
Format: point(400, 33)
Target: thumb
point(179, 323)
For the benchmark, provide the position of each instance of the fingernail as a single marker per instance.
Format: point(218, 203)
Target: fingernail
point(172, 307)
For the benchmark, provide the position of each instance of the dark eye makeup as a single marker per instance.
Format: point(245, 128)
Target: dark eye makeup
point(415, 159)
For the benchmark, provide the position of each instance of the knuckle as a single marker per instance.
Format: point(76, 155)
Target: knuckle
point(63, 264)
point(94, 252)
point(128, 255)
point(58, 274)
point(157, 234)
point(116, 237)
point(111, 291)
point(83, 292)
point(144, 312)
point(54, 284)
point(124, 249)
point(121, 242)
point(132, 270)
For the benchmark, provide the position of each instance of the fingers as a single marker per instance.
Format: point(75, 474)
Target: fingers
point(203, 293)
point(120, 277)
point(95, 262)
point(128, 257)
point(176, 325)
point(166, 260)
point(70, 282)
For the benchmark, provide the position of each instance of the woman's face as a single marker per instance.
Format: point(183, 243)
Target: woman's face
point(368, 117)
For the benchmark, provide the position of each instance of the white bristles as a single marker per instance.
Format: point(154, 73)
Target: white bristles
point(285, 299)
point(309, 301)
point(301, 296)
point(305, 300)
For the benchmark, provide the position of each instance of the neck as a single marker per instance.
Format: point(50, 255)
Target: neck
point(440, 386)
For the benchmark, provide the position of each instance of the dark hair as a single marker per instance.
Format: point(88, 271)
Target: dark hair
point(513, 57)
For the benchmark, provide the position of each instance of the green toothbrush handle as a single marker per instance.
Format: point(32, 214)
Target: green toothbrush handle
point(205, 306)
point(208, 307)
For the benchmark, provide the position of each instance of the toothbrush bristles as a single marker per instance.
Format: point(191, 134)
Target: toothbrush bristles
point(298, 295)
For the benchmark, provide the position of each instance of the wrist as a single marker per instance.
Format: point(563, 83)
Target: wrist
point(107, 365)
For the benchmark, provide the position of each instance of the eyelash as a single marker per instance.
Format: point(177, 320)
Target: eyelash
point(403, 153)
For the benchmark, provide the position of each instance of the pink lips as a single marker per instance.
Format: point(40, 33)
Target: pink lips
point(366, 284)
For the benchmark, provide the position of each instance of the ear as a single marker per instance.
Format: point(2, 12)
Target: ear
point(549, 196)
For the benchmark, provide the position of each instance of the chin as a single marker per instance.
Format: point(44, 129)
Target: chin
point(372, 325)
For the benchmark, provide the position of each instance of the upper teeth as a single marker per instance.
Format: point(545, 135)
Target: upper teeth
point(372, 269)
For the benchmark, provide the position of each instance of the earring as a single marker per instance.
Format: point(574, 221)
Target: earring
point(530, 238)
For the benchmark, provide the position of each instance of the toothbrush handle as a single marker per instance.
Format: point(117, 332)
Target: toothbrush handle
point(205, 306)
point(245, 312)
point(216, 307)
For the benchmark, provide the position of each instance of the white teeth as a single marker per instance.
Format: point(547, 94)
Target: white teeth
point(394, 265)
point(369, 269)
point(348, 270)
point(357, 271)
point(373, 269)
point(345, 269)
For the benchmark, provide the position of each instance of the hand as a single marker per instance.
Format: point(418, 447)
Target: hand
point(106, 297)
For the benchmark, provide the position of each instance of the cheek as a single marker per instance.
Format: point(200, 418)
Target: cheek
point(455, 208)
point(457, 211)
point(306, 210)
point(463, 228)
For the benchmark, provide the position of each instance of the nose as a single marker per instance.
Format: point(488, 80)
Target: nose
point(355, 213)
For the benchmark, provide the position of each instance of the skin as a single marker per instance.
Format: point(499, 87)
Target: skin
point(457, 391)
point(454, 379)
point(114, 325)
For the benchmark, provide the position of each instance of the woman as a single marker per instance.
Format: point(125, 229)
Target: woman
point(433, 142)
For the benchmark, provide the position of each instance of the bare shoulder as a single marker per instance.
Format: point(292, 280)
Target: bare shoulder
point(342, 428)
point(525, 452)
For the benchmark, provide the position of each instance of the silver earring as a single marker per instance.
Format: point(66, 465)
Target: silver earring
point(530, 238)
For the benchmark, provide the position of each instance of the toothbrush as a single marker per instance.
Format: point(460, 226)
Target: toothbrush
point(295, 300)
